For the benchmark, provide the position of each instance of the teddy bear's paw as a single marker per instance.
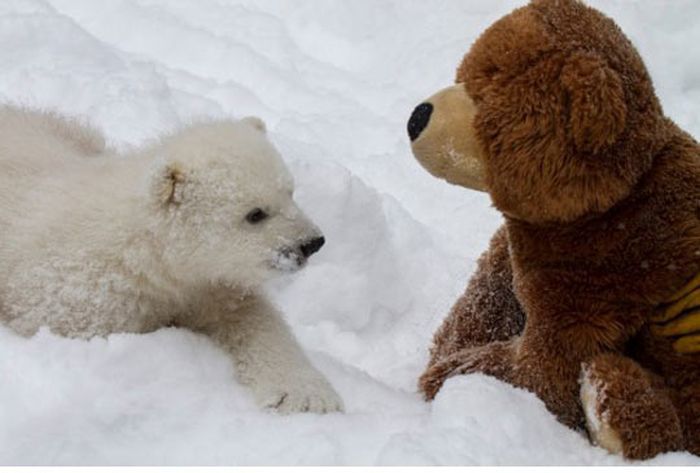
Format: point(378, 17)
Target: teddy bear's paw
point(434, 376)
point(493, 359)
point(599, 429)
point(627, 410)
point(430, 383)
point(315, 397)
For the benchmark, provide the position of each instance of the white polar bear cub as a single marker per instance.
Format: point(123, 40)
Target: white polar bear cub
point(180, 233)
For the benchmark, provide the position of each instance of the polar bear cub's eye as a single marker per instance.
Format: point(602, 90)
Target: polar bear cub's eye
point(256, 216)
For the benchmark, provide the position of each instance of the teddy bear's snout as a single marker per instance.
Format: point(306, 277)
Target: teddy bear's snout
point(419, 120)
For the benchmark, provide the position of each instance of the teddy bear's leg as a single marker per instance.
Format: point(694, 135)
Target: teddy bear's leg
point(545, 359)
point(628, 410)
point(487, 311)
point(689, 408)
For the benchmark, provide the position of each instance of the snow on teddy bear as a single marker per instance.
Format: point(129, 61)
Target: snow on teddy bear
point(589, 294)
point(182, 232)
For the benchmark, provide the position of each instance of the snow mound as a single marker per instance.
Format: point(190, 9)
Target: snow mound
point(335, 80)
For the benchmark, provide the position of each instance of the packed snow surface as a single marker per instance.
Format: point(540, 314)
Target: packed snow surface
point(335, 80)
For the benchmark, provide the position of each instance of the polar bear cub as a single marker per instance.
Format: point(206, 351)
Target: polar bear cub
point(182, 233)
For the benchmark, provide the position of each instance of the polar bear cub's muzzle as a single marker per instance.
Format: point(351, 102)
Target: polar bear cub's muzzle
point(297, 236)
point(290, 259)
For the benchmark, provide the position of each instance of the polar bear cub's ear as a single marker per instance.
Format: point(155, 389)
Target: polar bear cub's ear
point(166, 185)
point(256, 123)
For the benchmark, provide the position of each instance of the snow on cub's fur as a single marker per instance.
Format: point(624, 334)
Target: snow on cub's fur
point(181, 232)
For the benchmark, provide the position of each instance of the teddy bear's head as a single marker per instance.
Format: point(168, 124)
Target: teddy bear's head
point(553, 113)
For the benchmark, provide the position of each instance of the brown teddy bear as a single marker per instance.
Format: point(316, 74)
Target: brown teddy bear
point(589, 295)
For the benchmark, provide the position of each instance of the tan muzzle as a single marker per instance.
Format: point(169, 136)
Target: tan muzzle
point(443, 140)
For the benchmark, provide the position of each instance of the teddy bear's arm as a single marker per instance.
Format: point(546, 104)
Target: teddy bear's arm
point(488, 311)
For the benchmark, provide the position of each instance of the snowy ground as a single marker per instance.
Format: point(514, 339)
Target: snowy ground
point(335, 80)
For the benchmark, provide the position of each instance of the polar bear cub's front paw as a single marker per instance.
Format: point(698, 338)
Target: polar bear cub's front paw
point(301, 394)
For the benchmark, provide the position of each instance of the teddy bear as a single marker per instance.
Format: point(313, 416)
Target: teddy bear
point(589, 294)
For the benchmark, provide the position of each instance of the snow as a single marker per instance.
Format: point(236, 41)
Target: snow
point(335, 80)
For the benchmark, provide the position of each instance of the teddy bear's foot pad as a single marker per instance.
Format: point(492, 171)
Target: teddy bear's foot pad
point(599, 429)
point(628, 410)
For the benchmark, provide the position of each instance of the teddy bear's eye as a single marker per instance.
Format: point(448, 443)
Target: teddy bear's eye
point(256, 216)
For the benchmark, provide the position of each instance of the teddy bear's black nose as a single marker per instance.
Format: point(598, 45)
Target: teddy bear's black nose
point(312, 246)
point(419, 120)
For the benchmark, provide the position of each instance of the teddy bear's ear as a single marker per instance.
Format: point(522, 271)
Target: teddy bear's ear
point(167, 183)
point(596, 96)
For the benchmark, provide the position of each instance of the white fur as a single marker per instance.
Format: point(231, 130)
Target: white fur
point(94, 242)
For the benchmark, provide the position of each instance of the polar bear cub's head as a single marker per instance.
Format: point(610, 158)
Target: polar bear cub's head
point(225, 206)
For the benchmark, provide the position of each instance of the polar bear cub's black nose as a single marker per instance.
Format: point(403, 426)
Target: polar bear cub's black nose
point(312, 246)
point(419, 120)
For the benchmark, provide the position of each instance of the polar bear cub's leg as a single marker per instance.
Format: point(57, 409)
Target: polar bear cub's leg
point(268, 359)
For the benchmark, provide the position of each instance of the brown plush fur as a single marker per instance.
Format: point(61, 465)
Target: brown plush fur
point(646, 426)
point(601, 195)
